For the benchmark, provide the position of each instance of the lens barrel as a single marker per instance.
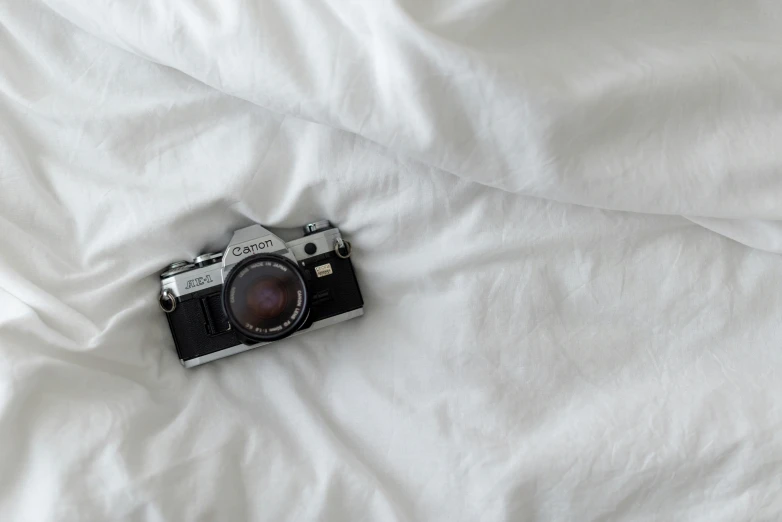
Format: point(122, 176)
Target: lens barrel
point(265, 298)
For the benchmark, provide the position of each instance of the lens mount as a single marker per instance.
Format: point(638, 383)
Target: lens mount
point(265, 298)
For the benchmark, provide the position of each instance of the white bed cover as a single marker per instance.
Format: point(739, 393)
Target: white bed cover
point(565, 223)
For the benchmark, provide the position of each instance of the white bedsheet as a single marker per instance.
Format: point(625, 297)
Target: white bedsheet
point(543, 198)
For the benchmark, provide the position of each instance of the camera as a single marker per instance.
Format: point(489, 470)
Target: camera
point(260, 289)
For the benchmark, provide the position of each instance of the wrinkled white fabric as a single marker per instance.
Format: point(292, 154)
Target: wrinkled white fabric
point(554, 330)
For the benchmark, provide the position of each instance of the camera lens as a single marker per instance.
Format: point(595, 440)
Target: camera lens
point(265, 298)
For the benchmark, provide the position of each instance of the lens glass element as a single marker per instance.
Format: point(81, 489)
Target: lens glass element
point(265, 297)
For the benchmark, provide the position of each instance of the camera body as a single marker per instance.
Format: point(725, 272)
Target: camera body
point(259, 290)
